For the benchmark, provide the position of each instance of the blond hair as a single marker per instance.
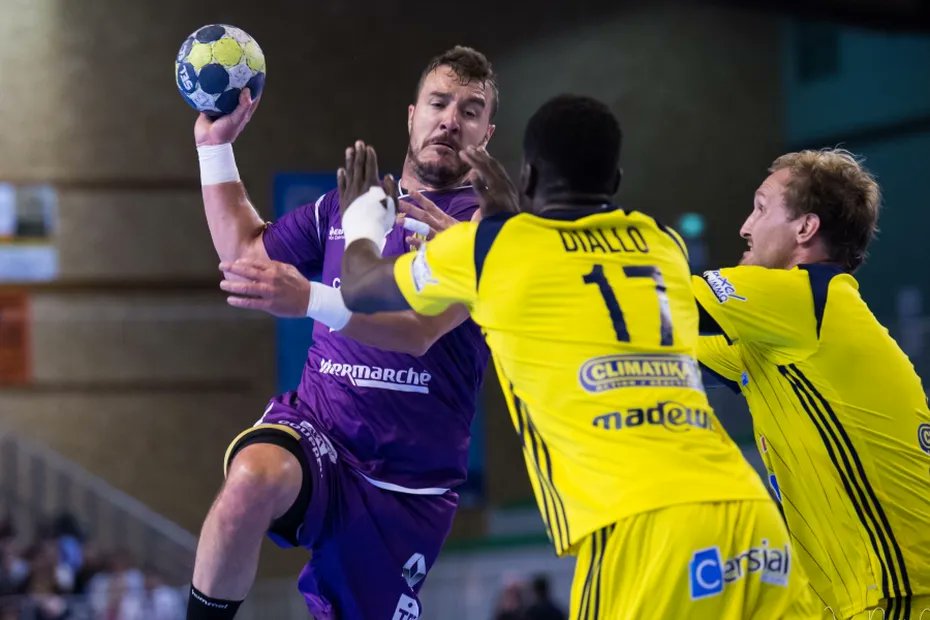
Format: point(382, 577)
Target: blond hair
point(833, 184)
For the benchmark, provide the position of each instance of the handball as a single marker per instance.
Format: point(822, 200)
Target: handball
point(214, 64)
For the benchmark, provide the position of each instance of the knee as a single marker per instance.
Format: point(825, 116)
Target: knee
point(265, 478)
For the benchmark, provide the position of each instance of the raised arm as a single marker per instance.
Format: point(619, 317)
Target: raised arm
point(235, 225)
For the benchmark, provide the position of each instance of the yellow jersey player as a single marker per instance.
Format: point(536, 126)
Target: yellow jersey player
point(839, 413)
point(588, 311)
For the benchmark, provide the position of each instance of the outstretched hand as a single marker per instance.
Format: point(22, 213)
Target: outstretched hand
point(361, 174)
point(496, 192)
point(425, 211)
point(226, 128)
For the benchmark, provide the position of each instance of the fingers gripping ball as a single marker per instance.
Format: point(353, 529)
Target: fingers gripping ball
point(214, 64)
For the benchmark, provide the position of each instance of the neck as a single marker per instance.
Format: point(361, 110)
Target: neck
point(809, 255)
point(410, 181)
point(581, 204)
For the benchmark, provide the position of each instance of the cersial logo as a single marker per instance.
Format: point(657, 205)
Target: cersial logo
point(709, 573)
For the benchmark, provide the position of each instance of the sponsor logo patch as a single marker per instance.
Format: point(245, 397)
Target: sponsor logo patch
point(923, 437)
point(414, 569)
point(610, 372)
point(670, 415)
point(723, 290)
point(379, 377)
point(407, 609)
point(420, 270)
point(709, 574)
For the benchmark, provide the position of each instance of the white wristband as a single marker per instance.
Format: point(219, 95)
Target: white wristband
point(367, 218)
point(327, 307)
point(416, 227)
point(217, 164)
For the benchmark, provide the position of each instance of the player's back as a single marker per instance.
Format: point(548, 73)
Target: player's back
point(843, 427)
point(594, 328)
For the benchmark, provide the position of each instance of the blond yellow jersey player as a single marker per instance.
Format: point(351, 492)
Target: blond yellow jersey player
point(839, 413)
point(588, 311)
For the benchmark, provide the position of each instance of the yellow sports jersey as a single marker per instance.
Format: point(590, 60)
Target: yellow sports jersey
point(593, 331)
point(841, 421)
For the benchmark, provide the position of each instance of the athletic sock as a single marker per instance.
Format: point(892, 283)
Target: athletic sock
point(202, 607)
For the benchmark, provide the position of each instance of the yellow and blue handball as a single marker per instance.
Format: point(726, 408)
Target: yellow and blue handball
point(214, 64)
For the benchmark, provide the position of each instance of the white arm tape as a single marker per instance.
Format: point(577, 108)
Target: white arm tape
point(217, 164)
point(416, 227)
point(327, 307)
point(367, 218)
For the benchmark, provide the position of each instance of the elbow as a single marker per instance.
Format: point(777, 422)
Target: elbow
point(249, 248)
point(419, 347)
point(351, 297)
point(424, 341)
point(355, 299)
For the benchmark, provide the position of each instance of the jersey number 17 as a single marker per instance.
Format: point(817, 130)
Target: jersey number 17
point(613, 306)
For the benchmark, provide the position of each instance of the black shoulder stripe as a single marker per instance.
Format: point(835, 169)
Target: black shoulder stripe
point(487, 232)
point(668, 231)
point(820, 276)
point(708, 325)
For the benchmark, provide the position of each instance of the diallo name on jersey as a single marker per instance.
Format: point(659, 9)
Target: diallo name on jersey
point(605, 240)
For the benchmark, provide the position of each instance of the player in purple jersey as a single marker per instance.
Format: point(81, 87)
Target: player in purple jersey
point(358, 464)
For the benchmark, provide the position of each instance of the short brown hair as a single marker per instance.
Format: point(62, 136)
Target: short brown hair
point(833, 184)
point(469, 65)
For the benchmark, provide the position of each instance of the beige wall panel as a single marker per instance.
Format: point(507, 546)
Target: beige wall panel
point(145, 338)
point(127, 234)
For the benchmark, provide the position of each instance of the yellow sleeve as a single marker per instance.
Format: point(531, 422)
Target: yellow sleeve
point(771, 309)
point(441, 273)
point(721, 357)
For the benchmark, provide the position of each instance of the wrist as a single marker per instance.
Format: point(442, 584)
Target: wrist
point(326, 306)
point(368, 218)
point(217, 164)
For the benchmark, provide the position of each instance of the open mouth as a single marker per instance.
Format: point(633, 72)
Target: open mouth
point(444, 145)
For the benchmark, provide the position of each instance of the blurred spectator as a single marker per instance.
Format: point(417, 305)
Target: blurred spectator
point(541, 605)
point(157, 601)
point(63, 577)
point(119, 581)
point(49, 580)
point(9, 608)
point(13, 568)
point(94, 562)
point(510, 603)
point(67, 532)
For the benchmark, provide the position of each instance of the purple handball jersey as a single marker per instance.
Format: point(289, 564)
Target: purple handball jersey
point(397, 418)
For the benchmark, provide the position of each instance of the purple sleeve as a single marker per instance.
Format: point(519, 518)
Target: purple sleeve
point(297, 237)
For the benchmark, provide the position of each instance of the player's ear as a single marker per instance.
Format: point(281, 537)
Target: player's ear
point(487, 136)
point(809, 227)
point(410, 109)
point(528, 179)
point(617, 178)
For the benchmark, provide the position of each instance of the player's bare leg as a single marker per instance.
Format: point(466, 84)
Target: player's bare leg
point(262, 483)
